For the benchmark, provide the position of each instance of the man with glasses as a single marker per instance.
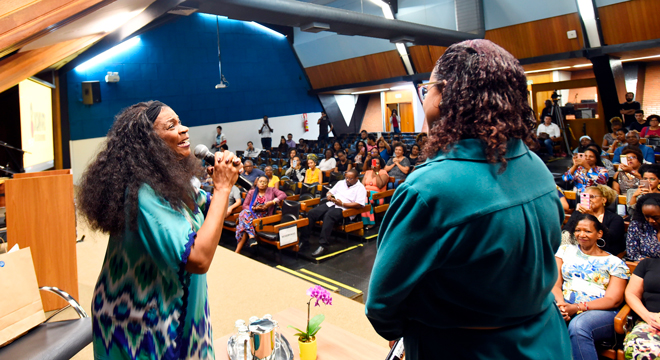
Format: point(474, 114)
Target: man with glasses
point(632, 137)
point(346, 194)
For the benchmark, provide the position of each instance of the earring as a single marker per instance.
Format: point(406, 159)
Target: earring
point(599, 245)
point(658, 186)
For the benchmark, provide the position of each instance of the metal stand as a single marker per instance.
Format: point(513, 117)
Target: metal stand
point(17, 168)
point(561, 121)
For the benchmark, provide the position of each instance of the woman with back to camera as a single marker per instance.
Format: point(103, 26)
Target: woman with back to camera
point(590, 287)
point(471, 272)
point(152, 287)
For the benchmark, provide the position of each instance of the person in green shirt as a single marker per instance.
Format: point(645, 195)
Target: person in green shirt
point(465, 263)
point(150, 301)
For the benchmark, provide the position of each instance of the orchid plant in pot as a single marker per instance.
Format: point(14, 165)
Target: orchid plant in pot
point(307, 338)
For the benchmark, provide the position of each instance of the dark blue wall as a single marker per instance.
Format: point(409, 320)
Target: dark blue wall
point(177, 64)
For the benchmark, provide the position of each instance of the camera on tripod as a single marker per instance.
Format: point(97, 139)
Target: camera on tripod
point(555, 96)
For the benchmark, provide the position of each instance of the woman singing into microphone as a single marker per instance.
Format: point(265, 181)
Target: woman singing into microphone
point(150, 301)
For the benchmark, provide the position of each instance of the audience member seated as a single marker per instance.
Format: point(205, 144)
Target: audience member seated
point(587, 170)
point(384, 149)
point(283, 147)
point(273, 180)
point(547, 133)
point(632, 138)
point(251, 151)
point(643, 297)
point(653, 130)
point(371, 142)
point(295, 172)
point(360, 152)
point(640, 123)
point(603, 158)
point(250, 172)
point(650, 182)
point(336, 147)
point(302, 147)
point(562, 199)
point(375, 180)
point(414, 155)
point(601, 196)
point(363, 138)
point(292, 153)
point(642, 238)
point(616, 123)
point(421, 139)
point(398, 166)
point(234, 200)
point(590, 288)
point(346, 194)
point(313, 174)
point(585, 141)
point(619, 141)
point(329, 163)
point(343, 164)
point(259, 202)
point(628, 176)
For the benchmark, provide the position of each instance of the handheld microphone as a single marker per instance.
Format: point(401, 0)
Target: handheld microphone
point(202, 152)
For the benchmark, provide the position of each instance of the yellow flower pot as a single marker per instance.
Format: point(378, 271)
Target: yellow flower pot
point(307, 349)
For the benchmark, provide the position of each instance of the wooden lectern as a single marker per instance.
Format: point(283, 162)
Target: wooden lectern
point(41, 214)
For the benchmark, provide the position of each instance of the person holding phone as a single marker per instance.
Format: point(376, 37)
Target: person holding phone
point(619, 141)
point(642, 238)
point(616, 124)
point(595, 201)
point(649, 183)
point(628, 175)
point(266, 131)
point(295, 173)
point(375, 180)
point(587, 170)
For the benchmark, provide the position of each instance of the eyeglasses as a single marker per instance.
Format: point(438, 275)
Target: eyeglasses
point(423, 89)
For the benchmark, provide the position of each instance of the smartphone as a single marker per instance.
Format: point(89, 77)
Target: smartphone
point(374, 162)
point(294, 163)
point(645, 184)
point(624, 160)
point(585, 201)
point(580, 156)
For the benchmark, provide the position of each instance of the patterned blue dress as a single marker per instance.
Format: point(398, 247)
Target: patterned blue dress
point(145, 304)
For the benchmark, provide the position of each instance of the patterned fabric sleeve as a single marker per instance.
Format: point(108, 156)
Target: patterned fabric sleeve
point(568, 177)
point(602, 174)
point(166, 233)
point(632, 240)
point(619, 269)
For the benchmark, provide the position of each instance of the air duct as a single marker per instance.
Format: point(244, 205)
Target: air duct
point(301, 14)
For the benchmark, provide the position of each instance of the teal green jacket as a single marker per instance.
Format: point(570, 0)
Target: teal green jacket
point(463, 245)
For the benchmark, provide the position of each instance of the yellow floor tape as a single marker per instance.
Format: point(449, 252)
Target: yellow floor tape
point(371, 237)
point(293, 272)
point(357, 291)
point(337, 252)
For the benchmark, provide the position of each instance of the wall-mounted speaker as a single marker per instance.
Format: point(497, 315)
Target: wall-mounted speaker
point(91, 92)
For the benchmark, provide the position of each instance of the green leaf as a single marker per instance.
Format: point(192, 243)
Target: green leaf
point(315, 323)
point(300, 331)
point(315, 331)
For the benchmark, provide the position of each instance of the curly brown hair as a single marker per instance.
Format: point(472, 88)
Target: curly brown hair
point(485, 97)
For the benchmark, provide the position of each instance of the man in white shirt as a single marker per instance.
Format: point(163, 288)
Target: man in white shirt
point(220, 139)
point(251, 151)
point(346, 194)
point(547, 133)
point(266, 131)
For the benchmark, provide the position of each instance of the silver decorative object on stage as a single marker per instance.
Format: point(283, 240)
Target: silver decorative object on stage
point(262, 342)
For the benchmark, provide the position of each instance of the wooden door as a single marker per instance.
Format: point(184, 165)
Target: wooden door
point(407, 118)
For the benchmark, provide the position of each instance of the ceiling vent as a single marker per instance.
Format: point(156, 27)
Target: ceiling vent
point(182, 10)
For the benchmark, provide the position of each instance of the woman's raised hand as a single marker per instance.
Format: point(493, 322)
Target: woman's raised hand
point(226, 170)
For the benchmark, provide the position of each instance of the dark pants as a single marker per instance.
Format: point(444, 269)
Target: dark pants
point(329, 215)
point(548, 145)
point(266, 143)
point(323, 140)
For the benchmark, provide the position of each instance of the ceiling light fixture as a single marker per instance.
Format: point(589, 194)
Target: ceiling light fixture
point(642, 58)
point(403, 87)
point(223, 82)
point(267, 29)
point(582, 65)
point(369, 91)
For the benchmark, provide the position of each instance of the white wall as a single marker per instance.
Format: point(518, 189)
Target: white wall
point(238, 134)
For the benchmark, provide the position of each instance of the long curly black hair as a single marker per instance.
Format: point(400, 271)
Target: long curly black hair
point(133, 154)
point(485, 98)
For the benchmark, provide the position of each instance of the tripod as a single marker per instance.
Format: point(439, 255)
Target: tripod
point(556, 113)
point(16, 168)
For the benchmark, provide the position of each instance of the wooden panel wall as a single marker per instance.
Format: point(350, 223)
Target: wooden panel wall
point(21, 19)
point(630, 21)
point(541, 37)
point(421, 58)
point(365, 68)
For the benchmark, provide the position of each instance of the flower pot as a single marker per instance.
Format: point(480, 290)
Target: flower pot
point(307, 349)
